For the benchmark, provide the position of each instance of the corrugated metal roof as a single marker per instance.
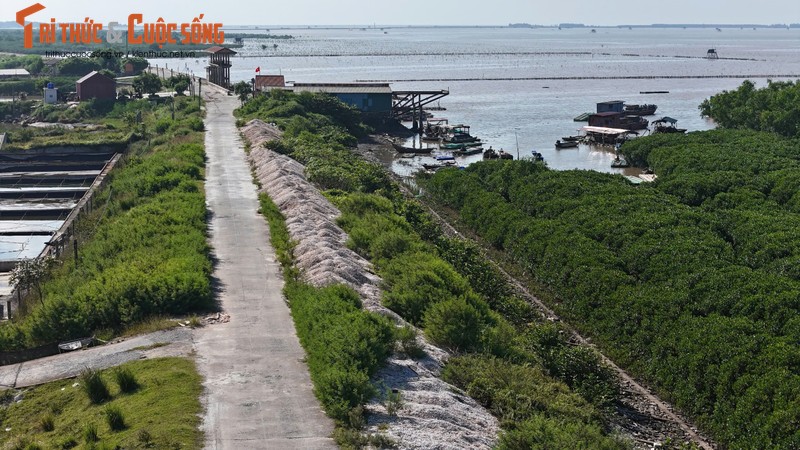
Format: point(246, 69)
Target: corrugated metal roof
point(267, 81)
point(90, 75)
point(605, 130)
point(342, 88)
point(14, 73)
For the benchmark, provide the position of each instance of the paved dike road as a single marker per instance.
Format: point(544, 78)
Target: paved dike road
point(258, 394)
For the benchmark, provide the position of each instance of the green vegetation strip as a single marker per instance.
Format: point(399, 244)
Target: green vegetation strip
point(345, 344)
point(147, 404)
point(459, 307)
point(143, 250)
point(692, 282)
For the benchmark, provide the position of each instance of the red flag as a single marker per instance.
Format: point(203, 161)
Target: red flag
point(258, 69)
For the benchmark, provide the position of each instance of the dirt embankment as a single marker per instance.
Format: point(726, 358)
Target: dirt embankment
point(434, 414)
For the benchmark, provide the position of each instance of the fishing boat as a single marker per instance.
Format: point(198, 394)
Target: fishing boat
point(403, 149)
point(571, 138)
point(468, 151)
point(459, 134)
point(445, 158)
point(619, 162)
point(438, 166)
point(490, 154)
point(505, 155)
point(566, 144)
point(461, 146)
point(641, 110)
point(667, 125)
point(430, 138)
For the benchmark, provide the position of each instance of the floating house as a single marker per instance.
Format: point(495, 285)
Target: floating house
point(615, 106)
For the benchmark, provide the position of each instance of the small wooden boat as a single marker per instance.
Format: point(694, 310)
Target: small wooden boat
point(490, 154)
point(505, 155)
point(619, 163)
point(571, 138)
point(468, 151)
point(445, 158)
point(461, 146)
point(566, 144)
point(438, 166)
point(404, 149)
point(430, 138)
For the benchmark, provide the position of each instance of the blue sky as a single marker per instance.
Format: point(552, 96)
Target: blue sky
point(423, 12)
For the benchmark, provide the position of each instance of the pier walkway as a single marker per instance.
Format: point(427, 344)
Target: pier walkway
point(258, 392)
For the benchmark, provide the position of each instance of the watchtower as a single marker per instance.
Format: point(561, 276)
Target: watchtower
point(218, 70)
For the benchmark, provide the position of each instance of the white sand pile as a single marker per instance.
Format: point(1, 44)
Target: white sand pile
point(434, 415)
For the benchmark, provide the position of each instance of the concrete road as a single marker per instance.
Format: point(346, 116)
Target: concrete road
point(174, 342)
point(258, 391)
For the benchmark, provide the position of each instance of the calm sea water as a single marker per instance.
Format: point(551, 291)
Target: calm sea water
point(534, 112)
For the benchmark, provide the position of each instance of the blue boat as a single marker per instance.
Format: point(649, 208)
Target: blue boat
point(445, 158)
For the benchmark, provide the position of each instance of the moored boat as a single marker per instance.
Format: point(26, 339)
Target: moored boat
point(619, 162)
point(468, 151)
point(641, 110)
point(566, 144)
point(667, 125)
point(461, 145)
point(403, 149)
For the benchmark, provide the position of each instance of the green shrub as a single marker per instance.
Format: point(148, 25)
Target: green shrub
point(345, 345)
point(195, 124)
point(393, 401)
point(515, 393)
point(162, 125)
point(114, 418)
point(541, 433)
point(454, 324)
point(126, 380)
point(407, 342)
point(94, 386)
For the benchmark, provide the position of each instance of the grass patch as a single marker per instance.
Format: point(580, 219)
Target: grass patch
point(166, 407)
point(149, 325)
point(126, 380)
point(151, 346)
point(279, 234)
point(114, 418)
point(90, 433)
point(94, 386)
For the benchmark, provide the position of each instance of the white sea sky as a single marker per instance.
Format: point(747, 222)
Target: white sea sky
point(418, 12)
